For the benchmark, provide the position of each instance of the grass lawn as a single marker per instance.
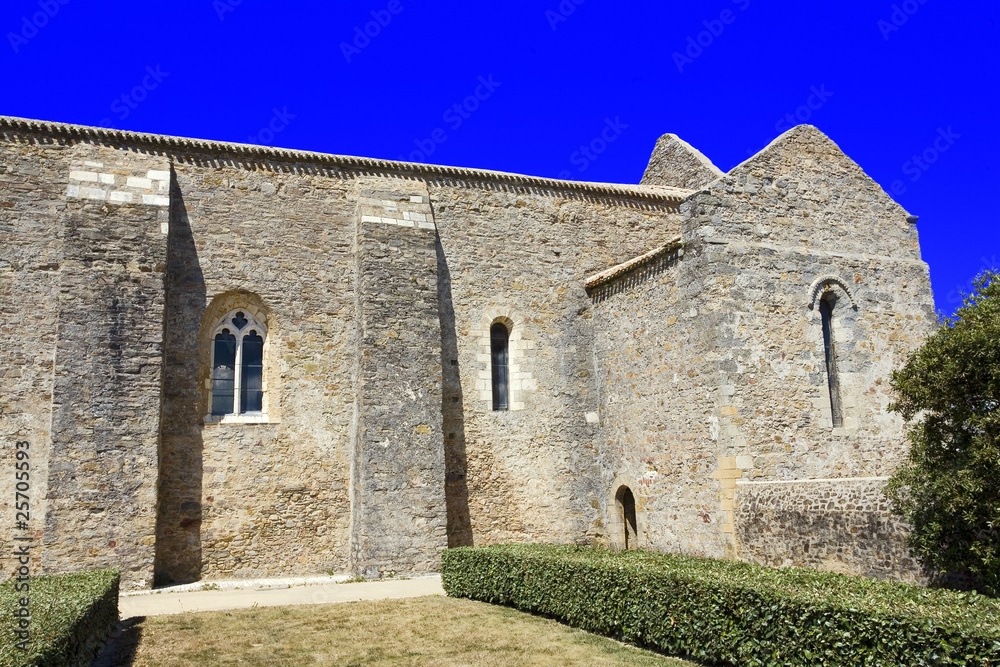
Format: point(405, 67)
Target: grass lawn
point(434, 630)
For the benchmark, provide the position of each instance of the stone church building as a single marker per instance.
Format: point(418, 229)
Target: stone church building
point(240, 361)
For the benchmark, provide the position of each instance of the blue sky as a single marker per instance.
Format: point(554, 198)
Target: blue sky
point(908, 89)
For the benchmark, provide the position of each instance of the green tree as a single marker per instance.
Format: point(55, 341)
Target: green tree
point(948, 488)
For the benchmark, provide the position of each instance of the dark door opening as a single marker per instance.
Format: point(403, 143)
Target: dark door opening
point(626, 505)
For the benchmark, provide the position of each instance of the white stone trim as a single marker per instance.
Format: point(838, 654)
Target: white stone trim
point(148, 189)
point(521, 384)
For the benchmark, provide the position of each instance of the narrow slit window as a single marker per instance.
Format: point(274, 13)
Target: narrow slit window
point(238, 366)
point(826, 307)
point(499, 339)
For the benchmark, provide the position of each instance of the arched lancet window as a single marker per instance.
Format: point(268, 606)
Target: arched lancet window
point(827, 304)
point(499, 343)
point(238, 365)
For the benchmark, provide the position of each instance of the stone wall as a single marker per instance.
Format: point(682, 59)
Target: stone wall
point(661, 339)
point(97, 307)
point(658, 427)
point(748, 393)
point(838, 525)
point(33, 181)
point(398, 516)
point(268, 497)
point(520, 255)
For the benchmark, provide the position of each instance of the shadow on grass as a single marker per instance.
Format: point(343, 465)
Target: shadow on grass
point(121, 647)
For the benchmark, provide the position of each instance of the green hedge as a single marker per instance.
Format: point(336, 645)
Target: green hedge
point(71, 617)
point(725, 612)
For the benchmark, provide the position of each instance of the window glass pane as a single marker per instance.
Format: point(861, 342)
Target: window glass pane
point(498, 349)
point(224, 373)
point(830, 352)
point(251, 379)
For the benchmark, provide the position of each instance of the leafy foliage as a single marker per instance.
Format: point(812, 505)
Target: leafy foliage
point(949, 487)
point(71, 616)
point(732, 613)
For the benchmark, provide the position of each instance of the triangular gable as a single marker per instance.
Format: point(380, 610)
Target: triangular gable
point(677, 164)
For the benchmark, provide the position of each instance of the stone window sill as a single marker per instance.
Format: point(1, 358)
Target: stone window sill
point(250, 418)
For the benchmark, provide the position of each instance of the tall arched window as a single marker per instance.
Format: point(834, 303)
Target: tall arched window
point(499, 342)
point(826, 309)
point(238, 365)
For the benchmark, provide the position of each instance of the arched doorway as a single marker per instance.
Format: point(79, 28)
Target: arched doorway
point(625, 506)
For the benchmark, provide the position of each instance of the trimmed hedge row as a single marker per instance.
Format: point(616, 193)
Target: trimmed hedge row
point(729, 612)
point(71, 617)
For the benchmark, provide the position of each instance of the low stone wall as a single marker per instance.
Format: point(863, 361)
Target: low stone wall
point(838, 525)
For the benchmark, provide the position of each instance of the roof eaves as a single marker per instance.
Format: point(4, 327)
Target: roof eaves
point(608, 275)
point(170, 143)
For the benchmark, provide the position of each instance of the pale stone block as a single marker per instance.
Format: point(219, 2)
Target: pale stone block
point(107, 179)
point(370, 218)
point(155, 200)
point(136, 182)
point(165, 229)
point(417, 199)
point(93, 193)
point(73, 191)
point(88, 163)
point(120, 197)
point(425, 225)
point(744, 462)
point(727, 528)
point(592, 418)
point(727, 463)
point(517, 405)
point(87, 176)
point(158, 175)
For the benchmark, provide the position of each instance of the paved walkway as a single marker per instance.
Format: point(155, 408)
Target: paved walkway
point(270, 593)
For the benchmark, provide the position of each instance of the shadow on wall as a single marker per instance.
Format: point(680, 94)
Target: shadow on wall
point(179, 511)
point(453, 426)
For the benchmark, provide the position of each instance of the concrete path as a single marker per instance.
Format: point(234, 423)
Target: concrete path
point(270, 593)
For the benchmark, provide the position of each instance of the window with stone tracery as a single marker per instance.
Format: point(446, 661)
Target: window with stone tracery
point(238, 365)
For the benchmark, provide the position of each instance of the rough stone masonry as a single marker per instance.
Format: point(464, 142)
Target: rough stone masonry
point(239, 361)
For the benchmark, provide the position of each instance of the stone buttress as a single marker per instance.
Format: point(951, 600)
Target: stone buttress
point(398, 514)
